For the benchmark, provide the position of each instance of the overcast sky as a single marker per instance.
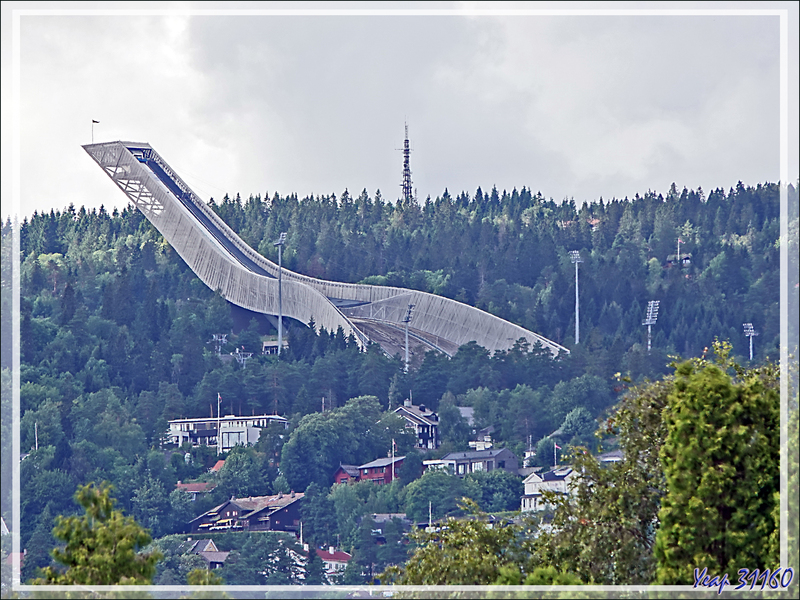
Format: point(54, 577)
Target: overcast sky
point(579, 106)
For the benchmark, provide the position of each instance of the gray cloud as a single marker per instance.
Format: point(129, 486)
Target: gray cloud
point(574, 106)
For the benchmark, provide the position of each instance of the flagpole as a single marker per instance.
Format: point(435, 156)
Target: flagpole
point(219, 431)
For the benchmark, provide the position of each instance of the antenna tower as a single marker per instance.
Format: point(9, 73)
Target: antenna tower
point(650, 319)
point(406, 185)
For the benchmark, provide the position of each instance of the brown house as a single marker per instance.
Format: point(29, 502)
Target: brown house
point(254, 513)
point(382, 470)
point(346, 473)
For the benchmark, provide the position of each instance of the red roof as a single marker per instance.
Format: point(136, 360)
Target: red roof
point(200, 486)
point(218, 465)
point(336, 556)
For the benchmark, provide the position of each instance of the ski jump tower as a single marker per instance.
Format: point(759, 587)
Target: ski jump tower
point(245, 278)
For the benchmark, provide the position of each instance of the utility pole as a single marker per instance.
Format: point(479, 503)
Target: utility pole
point(281, 241)
point(650, 319)
point(575, 257)
point(219, 426)
point(751, 333)
point(407, 320)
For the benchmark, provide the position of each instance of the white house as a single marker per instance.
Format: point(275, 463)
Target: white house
point(235, 430)
point(559, 480)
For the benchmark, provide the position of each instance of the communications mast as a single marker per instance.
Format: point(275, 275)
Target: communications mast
point(406, 185)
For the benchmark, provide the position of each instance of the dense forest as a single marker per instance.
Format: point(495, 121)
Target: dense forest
point(116, 337)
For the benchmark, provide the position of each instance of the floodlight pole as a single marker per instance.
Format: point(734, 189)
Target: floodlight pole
point(407, 320)
point(279, 244)
point(650, 320)
point(575, 257)
point(751, 333)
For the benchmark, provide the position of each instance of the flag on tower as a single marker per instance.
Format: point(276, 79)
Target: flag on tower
point(557, 446)
point(93, 121)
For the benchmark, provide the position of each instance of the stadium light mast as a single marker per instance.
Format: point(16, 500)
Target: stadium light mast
point(281, 241)
point(575, 257)
point(650, 319)
point(407, 320)
point(751, 333)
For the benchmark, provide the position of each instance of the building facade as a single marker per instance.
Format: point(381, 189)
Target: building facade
point(558, 480)
point(254, 513)
point(424, 422)
point(235, 430)
point(462, 463)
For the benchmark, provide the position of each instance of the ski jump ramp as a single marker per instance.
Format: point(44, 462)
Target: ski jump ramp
point(225, 263)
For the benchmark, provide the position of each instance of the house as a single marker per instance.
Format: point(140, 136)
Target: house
point(381, 520)
point(195, 487)
point(335, 561)
point(254, 513)
point(271, 346)
point(483, 439)
point(684, 259)
point(382, 470)
point(207, 550)
point(559, 480)
point(481, 460)
point(346, 473)
point(614, 456)
point(235, 430)
point(424, 422)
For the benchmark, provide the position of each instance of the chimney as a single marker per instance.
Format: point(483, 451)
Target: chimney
point(305, 547)
point(406, 402)
point(422, 408)
point(330, 549)
point(179, 482)
point(292, 493)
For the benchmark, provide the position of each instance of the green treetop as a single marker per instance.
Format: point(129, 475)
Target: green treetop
point(101, 546)
point(721, 463)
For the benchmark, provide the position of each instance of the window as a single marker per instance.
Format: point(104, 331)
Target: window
point(366, 471)
point(501, 464)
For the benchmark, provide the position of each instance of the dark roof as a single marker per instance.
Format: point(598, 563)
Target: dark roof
point(428, 417)
point(556, 474)
point(204, 545)
point(251, 505)
point(351, 470)
point(476, 454)
point(381, 462)
point(214, 557)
